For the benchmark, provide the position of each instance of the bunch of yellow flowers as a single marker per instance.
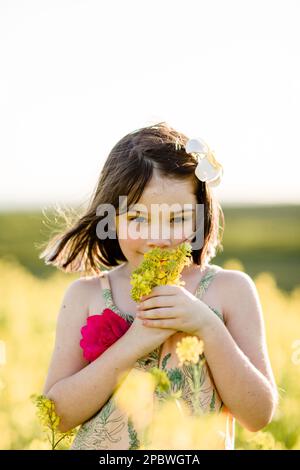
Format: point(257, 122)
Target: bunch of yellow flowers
point(50, 420)
point(160, 267)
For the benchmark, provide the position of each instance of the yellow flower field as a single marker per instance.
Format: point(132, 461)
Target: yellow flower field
point(28, 310)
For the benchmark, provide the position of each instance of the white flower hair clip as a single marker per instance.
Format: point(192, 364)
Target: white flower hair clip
point(208, 170)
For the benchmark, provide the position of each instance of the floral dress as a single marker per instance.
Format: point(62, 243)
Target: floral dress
point(111, 429)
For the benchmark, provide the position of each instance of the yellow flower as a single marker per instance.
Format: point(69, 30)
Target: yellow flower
point(46, 411)
point(189, 349)
point(159, 267)
point(50, 420)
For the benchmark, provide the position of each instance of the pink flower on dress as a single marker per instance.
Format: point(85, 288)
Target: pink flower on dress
point(100, 332)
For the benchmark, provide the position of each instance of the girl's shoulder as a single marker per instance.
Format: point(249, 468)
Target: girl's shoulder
point(235, 288)
point(80, 292)
point(233, 278)
point(230, 277)
point(93, 286)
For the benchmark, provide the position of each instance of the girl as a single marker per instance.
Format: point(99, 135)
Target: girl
point(151, 166)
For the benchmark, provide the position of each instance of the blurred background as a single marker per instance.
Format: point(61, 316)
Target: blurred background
point(76, 76)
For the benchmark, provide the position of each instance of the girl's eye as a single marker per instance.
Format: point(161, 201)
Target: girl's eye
point(175, 219)
point(137, 217)
point(179, 219)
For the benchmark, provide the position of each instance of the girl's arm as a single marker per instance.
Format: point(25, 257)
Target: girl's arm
point(237, 354)
point(80, 389)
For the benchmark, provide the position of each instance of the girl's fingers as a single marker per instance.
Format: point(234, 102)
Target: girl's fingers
point(167, 289)
point(155, 302)
point(157, 313)
point(169, 323)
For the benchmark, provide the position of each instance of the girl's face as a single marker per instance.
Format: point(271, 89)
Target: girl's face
point(163, 217)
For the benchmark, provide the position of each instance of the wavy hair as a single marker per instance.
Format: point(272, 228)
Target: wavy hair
point(127, 170)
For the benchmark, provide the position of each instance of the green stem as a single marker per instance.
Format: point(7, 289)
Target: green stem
point(59, 440)
point(52, 439)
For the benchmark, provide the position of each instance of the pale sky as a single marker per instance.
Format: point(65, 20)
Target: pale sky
point(76, 76)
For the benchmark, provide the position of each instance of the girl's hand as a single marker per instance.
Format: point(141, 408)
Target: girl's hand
point(143, 340)
point(174, 307)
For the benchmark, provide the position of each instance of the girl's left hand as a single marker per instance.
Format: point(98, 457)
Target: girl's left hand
point(174, 307)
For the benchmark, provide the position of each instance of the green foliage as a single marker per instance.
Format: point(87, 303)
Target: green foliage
point(161, 379)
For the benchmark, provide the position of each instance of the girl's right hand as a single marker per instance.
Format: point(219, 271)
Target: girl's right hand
point(144, 339)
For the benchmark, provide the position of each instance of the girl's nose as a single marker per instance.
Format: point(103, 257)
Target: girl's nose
point(158, 243)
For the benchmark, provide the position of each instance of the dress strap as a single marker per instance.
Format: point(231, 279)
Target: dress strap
point(108, 299)
point(206, 280)
point(106, 289)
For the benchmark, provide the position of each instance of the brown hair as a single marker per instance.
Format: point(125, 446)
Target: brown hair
point(127, 170)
